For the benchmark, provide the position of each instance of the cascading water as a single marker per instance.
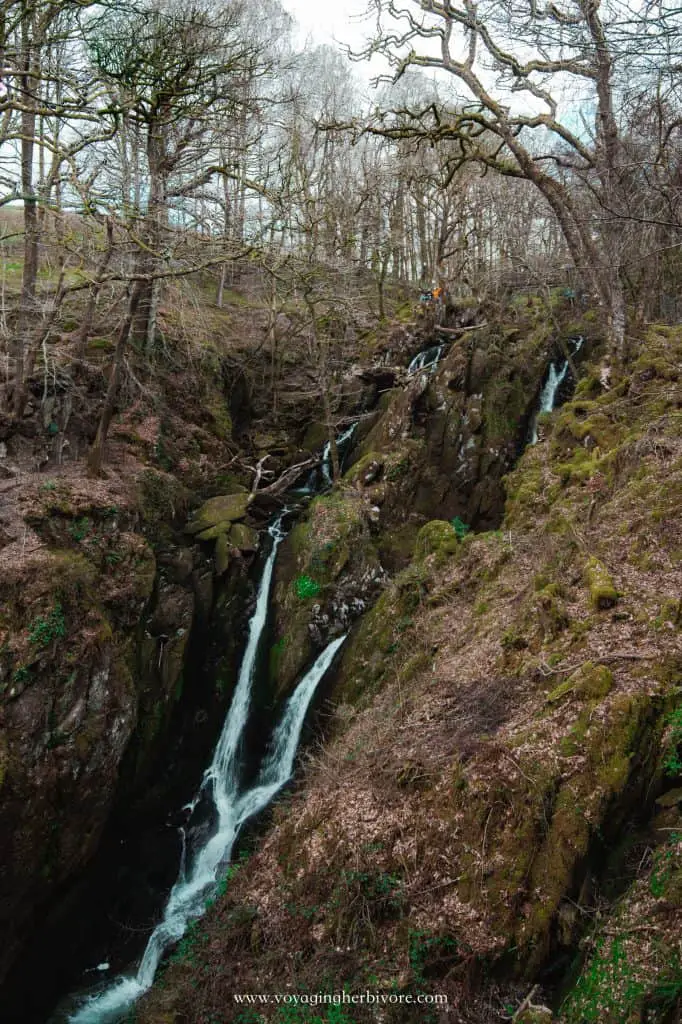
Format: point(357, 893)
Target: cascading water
point(428, 359)
point(341, 445)
point(548, 395)
point(200, 868)
point(321, 476)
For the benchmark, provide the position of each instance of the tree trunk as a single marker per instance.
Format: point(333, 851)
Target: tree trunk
point(97, 450)
point(150, 252)
point(31, 349)
point(28, 131)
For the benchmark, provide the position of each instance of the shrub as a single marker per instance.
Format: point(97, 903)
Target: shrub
point(43, 631)
point(460, 528)
point(305, 587)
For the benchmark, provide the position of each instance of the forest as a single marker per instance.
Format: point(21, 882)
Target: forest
point(340, 488)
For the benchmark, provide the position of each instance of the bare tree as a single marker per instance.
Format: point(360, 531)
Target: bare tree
point(516, 64)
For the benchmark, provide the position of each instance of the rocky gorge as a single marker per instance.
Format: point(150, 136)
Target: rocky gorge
point(491, 798)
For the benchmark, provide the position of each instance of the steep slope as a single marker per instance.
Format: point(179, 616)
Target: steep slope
point(501, 750)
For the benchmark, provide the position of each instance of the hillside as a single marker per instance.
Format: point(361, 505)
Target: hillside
point(494, 806)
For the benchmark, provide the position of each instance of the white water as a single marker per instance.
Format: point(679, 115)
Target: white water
point(327, 452)
point(312, 484)
point(196, 883)
point(430, 358)
point(548, 394)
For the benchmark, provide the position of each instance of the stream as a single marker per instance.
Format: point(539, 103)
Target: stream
point(426, 359)
point(219, 810)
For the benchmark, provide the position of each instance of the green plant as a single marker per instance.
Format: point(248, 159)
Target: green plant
point(607, 989)
point(187, 949)
point(43, 631)
point(460, 528)
point(426, 950)
point(663, 867)
point(223, 884)
point(305, 587)
point(672, 762)
point(80, 529)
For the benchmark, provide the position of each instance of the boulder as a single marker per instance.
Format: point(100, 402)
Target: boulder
point(243, 537)
point(225, 508)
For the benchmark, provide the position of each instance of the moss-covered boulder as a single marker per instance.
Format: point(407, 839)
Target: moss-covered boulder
point(603, 593)
point(243, 537)
point(436, 537)
point(221, 554)
point(217, 514)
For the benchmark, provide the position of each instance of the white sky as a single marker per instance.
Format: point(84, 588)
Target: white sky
point(327, 20)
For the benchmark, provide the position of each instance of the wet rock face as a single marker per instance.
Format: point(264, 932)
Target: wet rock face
point(95, 630)
point(68, 707)
point(448, 438)
point(327, 575)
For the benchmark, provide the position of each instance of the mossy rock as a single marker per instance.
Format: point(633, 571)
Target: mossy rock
point(221, 555)
point(316, 436)
point(330, 552)
point(221, 424)
point(603, 594)
point(225, 508)
point(589, 682)
point(550, 611)
point(595, 681)
point(219, 530)
point(243, 537)
point(438, 536)
point(358, 470)
point(535, 1015)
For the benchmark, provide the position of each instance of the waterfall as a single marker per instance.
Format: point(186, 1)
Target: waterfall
point(199, 874)
point(341, 444)
point(313, 483)
point(555, 378)
point(429, 358)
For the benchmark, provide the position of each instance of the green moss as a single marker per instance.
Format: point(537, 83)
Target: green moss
point(243, 537)
point(221, 421)
point(161, 499)
point(438, 536)
point(561, 691)
point(550, 611)
point(359, 468)
point(100, 344)
point(276, 652)
point(595, 681)
point(316, 436)
point(589, 682)
point(214, 513)
point(670, 614)
point(525, 488)
point(603, 594)
point(215, 532)
point(505, 404)
point(379, 644)
point(222, 554)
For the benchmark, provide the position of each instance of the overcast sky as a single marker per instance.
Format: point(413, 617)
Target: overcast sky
point(326, 20)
